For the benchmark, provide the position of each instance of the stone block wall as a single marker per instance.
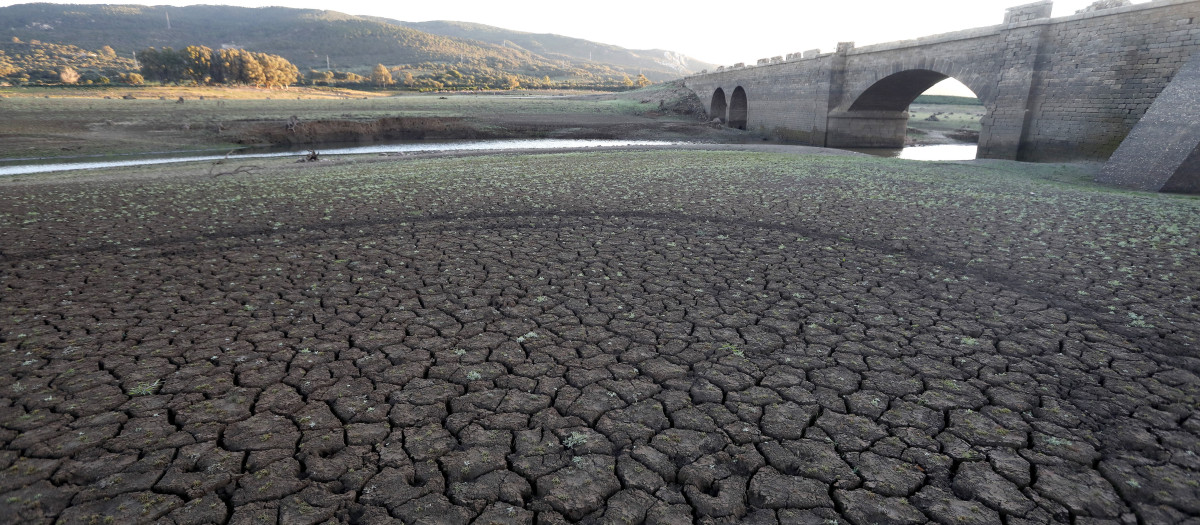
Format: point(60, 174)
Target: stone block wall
point(1005, 124)
point(786, 98)
point(1162, 153)
point(867, 129)
point(1101, 71)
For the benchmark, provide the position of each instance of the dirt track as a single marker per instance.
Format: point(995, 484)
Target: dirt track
point(620, 337)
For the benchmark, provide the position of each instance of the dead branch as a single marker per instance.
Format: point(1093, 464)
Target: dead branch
point(237, 170)
point(218, 162)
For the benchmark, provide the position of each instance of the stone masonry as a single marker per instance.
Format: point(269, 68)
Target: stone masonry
point(1068, 88)
point(1162, 153)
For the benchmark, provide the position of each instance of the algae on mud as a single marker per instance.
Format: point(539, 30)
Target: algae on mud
point(645, 335)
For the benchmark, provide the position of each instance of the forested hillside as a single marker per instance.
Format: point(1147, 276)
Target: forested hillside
point(657, 64)
point(325, 46)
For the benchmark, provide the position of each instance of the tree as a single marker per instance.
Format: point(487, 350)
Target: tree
point(107, 52)
point(320, 77)
point(251, 72)
point(277, 71)
point(407, 79)
point(381, 76)
point(236, 66)
point(148, 61)
point(134, 79)
point(226, 66)
point(510, 82)
point(642, 81)
point(163, 65)
point(626, 81)
point(68, 75)
point(197, 63)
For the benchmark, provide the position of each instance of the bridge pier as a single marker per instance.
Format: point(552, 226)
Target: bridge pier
point(866, 129)
point(1005, 131)
point(1162, 153)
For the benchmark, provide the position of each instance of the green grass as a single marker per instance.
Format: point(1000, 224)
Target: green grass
point(947, 99)
point(951, 117)
point(145, 389)
point(310, 105)
point(1017, 202)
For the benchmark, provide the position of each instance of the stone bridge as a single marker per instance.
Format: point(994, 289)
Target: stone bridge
point(1054, 89)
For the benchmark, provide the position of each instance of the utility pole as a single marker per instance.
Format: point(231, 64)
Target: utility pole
point(327, 68)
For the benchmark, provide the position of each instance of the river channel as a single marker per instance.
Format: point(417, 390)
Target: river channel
point(28, 166)
point(931, 152)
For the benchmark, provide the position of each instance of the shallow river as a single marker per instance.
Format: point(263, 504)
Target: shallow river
point(934, 152)
point(25, 166)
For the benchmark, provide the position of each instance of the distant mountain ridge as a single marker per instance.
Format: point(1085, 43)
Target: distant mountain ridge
point(564, 47)
point(313, 39)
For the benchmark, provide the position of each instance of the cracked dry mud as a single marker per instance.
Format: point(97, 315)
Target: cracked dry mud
point(619, 337)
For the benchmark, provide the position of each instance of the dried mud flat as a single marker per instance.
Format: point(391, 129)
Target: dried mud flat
point(615, 337)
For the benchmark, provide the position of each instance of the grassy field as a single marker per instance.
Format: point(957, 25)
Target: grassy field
point(668, 336)
point(951, 117)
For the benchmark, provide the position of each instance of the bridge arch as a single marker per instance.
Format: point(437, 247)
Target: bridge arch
point(876, 112)
point(896, 91)
point(739, 109)
point(719, 107)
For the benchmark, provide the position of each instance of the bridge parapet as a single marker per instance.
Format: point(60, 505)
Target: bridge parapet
point(1024, 13)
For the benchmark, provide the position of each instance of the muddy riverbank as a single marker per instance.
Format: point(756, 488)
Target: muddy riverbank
point(80, 124)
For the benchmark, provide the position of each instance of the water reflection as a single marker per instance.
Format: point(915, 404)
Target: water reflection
point(933, 152)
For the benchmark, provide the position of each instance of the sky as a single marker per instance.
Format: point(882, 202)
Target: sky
point(721, 33)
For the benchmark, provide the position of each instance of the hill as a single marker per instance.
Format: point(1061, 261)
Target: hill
point(657, 64)
point(319, 40)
